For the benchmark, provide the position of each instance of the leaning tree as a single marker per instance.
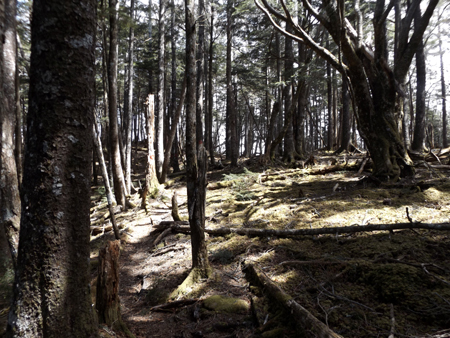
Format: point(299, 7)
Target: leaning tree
point(376, 76)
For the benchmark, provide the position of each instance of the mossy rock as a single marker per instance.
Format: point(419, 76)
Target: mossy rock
point(225, 304)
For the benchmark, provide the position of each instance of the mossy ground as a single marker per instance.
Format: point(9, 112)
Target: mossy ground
point(350, 282)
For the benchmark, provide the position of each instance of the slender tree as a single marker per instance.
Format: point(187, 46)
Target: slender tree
point(9, 184)
point(443, 93)
point(195, 160)
point(160, 102)
point(128, 111)
point(116, 159)
point(51, 288)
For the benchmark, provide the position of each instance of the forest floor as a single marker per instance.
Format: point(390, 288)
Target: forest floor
point(364, 284)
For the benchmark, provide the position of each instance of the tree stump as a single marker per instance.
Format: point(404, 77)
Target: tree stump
point(107, 298)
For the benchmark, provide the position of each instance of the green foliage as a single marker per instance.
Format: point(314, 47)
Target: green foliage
point(242, 183)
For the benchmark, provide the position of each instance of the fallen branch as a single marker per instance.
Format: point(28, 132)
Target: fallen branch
point(294, 233)
point(306, 324)
point(174, 304)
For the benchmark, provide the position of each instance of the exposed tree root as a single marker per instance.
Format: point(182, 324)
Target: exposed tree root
point(194, 276)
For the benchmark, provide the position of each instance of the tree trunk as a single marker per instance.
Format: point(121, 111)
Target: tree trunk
point(346, 119)
point(195, 164)
point(232, 151)
point(128, 111)
point(10, 207)
point(172, 133)
point(201, 20)
point(107, 299)
point(443, 93)
point(151, 181)
point(419, 129)
point(288, 155)
point(210, 92)
point(118, 178)
point(51, 287)
point(160, 102)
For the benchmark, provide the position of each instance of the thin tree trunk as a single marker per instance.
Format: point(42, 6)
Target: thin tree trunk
point(128, 111)
point(195, 165)
point(288, 155)
point(419, 130)
point(9, 185)
point(210, 92)
point(201, 20)
point(118, 178)
point(443, 93)
point(172, 133)
point(159, 154)
point(151, 180)
point(232, 151)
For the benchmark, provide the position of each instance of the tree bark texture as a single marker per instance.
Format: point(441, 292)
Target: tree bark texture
point(51, 288)
point(129, 107)
point(151, 181)
point(117, 171)
point(232, 151)
point(421, 75)
point(10, 208)
point(195, 163)
point(160, 103)
point(107, 297)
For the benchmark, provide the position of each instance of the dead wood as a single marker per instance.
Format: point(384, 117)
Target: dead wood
point(306, 324)
point(175, 212)
point(97, 229)
point(174, 304)
point(161, 236)
point(294, 233)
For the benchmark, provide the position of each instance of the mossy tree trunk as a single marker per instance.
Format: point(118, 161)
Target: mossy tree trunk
point(51, 288)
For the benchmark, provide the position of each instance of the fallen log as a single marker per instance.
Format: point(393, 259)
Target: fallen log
point(294, 233)
point(306, 324)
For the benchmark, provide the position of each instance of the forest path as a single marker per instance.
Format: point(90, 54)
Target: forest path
point(148, 276)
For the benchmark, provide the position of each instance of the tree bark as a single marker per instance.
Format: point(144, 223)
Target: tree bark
point(160, 102)
point(10, 207)
point(443, 93)
point(128, 111)
point(421, 75)
point(195, 163)
point(107, 297)
point(151, 180)
point(201, 20)
point(232, 151)
point(288, 155)
point(118, 178)
point(51, 287)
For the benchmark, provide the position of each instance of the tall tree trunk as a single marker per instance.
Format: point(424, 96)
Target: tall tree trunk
point(128, 111)
point(443, 93)
point(118, 178)
point(232, 151)
point(331, 121)
point(346, 118)
point(288, 155)
point(210, 98)
point(10, 208)
point(419, 129)
point(151, 180)
point(159, 154)
point(195, 165)
point(201, 20)
point(51, 287)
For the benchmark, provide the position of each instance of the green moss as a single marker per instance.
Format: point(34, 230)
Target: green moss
point(224, 304)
